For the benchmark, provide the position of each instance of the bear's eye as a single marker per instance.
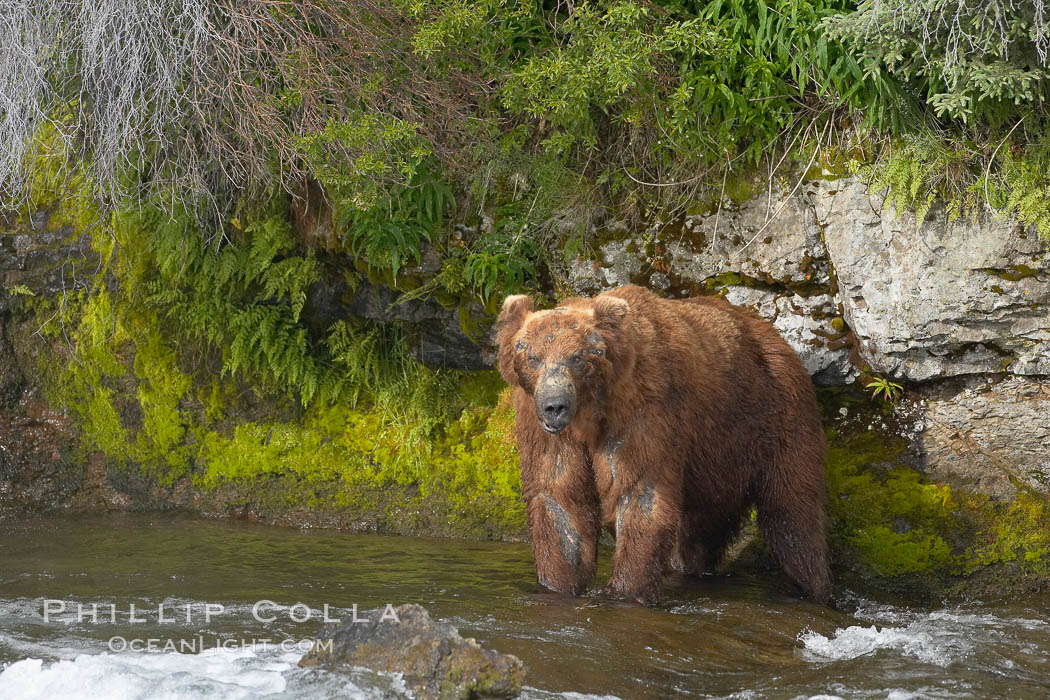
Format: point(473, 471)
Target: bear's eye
point(576, 361)
point(595, 345)
point(533, 361)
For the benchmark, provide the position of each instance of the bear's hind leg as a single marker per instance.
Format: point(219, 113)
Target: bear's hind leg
point(701, 545)
point(687, 556)
point(793, 526)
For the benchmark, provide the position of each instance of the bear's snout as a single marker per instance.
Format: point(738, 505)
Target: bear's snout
point(555, 401)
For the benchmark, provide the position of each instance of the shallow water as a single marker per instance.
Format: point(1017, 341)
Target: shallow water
point(738, 636)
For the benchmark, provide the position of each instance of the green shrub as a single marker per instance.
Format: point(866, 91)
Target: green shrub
point(976, 62)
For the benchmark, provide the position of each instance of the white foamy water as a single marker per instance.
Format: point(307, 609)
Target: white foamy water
point(209, 675)
point(940, 637)
point(917, 641)
point(841, 692)
point(68, 667)
point(215, 673)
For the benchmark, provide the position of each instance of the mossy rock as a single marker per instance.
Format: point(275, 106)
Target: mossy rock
point(1013, 273)
point(894, 529)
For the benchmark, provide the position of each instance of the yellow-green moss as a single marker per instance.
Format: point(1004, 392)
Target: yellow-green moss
point(467, 467)
point(832, 164)
point(884, 517)
point(741, 189)
point(98, 380)
point(161, 387)
point(58, 187)
point(135, 404)
point(1018, 531)
point(472, 468)
point(441, 441)
point(891, 553)
point(726, 279)
point(469, 325)
point(890, 521)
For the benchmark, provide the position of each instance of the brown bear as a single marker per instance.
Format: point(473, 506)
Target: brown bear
point(663, 421)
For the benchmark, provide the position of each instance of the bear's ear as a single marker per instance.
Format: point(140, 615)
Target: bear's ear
point(609, 310)
point(515, 308)
point(514, 312)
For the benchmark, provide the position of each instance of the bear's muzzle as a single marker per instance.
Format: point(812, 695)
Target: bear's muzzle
point(555, 400)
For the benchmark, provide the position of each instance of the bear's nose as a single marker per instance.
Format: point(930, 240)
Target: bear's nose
point(555, 409)
point(555, 402)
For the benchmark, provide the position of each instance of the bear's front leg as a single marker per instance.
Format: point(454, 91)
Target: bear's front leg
point(564, 522)
point(647, 514)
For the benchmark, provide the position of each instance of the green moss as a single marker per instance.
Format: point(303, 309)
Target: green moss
point(211, 397)
point(891, 553)
point(891, 524)
point(447, 300)
point(1015, 532)
point(741, 189)
point(470, 471)
point(128, 413)
point(838, 324)
point(102, 425)
point(160, 389)
point(833, 164)
point(85, 383)
point(463, 466)
point(470, 326)
point(726, 279)
point(1013, 273)
point(885, 518)
point(59, 186)
point(389, 436)
point(437, 443)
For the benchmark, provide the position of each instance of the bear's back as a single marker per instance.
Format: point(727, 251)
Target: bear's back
point(700, 333)
point(725, 352)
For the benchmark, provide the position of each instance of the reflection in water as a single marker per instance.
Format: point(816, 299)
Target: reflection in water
point(722, 637)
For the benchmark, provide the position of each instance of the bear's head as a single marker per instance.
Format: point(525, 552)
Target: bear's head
point(565, 358)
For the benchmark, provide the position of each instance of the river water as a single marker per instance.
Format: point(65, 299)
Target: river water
point(738, 636)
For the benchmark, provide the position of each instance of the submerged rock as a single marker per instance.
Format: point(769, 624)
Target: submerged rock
point(433, 659)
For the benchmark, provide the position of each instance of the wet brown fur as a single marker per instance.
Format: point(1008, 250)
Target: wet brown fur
point(689, 413)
